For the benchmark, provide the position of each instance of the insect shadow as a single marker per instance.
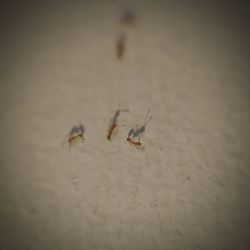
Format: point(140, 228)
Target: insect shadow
point(138, 131)
point(77, 129)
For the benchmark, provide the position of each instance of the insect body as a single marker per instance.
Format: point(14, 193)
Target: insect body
point(134, 142)
point(76, 134)
point(114, 123)
point(75, 138)
point(134, 134)
point(111, 130)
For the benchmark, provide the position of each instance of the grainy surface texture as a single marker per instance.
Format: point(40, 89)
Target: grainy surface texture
point(188, 189)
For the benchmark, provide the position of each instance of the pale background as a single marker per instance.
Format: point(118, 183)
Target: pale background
point(188, 63)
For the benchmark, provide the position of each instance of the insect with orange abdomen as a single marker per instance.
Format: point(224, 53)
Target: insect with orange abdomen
point(114, 123)
point(134, 139)
point(75, 138)
point(134, 134)
point(76, 134)
point(111, 130)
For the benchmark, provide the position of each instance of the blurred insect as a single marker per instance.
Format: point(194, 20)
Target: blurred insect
point(114, 123)
point(75, 134)
point(135, 134)
point(120, 46)
point(128, 18)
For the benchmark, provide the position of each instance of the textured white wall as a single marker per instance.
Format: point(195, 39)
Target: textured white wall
point(189, 188)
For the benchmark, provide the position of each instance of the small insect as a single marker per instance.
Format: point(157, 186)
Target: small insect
point(75, 134)
point(111, 130)
point(120, 46)
point(114, 123)
point(134, 134)
point(128, 18)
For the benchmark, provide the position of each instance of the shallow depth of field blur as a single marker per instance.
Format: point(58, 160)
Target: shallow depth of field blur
point(184, 61)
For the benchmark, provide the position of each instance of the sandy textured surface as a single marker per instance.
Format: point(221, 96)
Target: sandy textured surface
point(189, 188)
